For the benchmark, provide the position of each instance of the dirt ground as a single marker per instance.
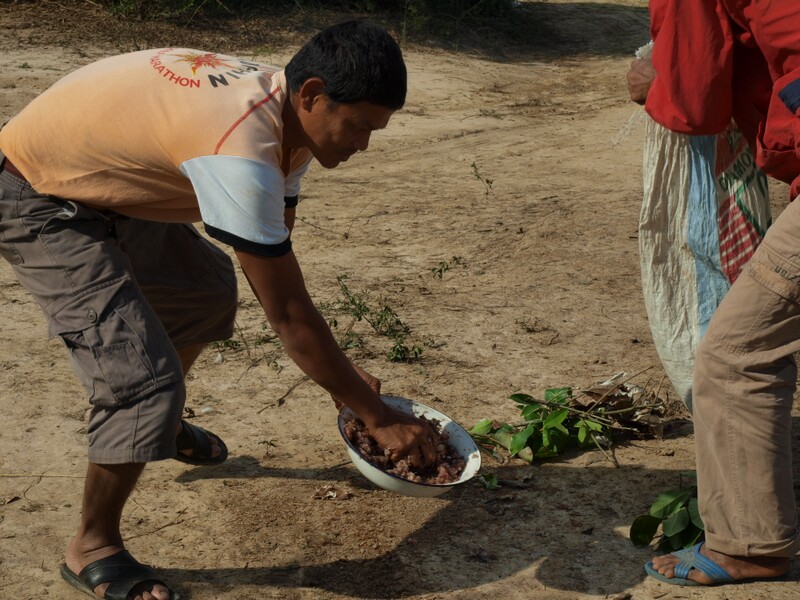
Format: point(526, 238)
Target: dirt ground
point(521, 170)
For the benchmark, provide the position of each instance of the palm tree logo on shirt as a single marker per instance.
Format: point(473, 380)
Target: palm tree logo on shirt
point(198, 60)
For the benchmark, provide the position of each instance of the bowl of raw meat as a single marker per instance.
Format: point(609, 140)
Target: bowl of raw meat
point(458, 457)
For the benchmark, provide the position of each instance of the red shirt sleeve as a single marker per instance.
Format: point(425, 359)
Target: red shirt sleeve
point(772, 29)
point(693, 59)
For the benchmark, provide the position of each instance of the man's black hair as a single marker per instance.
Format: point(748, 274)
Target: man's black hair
point(357, 61)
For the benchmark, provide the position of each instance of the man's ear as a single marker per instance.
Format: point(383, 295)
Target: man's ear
point(312, 89)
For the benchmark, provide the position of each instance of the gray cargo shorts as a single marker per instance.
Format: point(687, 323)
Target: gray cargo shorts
point(122, 294)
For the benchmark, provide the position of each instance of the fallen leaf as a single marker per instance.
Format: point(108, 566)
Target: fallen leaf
point(330, 492)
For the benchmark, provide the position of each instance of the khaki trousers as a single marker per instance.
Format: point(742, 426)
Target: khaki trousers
point(744, 384)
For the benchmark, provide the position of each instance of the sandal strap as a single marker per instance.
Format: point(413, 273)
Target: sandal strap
point(691, 558)
point(195, 439)
point(121, 571)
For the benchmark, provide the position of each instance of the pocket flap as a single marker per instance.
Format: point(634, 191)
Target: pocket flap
point(82, 312)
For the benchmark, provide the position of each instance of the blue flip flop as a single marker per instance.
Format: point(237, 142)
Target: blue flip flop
point(692, 559)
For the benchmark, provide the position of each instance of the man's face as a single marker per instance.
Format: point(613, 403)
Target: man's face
point(337, 131)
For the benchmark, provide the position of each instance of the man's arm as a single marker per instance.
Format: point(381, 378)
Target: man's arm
point(278, 284)
point(289, 215)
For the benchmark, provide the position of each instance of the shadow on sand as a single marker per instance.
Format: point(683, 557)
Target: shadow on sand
point(566, 523)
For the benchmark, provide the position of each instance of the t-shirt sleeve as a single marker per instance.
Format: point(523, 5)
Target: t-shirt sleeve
point(241, 202)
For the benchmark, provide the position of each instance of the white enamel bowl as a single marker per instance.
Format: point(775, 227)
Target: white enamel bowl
point(459, 439)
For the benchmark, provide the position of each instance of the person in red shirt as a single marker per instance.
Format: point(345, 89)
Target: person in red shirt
point(713, 61)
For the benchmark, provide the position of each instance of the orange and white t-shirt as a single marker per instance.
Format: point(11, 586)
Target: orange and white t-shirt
point(171, 134)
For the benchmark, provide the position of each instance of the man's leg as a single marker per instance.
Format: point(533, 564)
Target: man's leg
point(190, 284)
point(106, 491)
point(744, 383)
point(188, 355)
point(65, 256)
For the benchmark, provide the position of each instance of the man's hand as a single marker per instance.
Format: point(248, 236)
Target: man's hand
point(640, 78)
point(406, 436)
point(402, 435)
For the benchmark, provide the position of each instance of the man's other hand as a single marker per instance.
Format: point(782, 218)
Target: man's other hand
point(640, 78)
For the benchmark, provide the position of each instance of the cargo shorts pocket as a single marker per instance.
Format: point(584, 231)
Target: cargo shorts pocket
point(118, 348)
point(8, 251)
point(775, 272)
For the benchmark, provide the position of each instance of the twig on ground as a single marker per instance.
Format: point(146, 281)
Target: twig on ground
point(315, 226)
point(39, 475)
point(280, 401)
point(610, 457)
point(246, 371)
point(138, 535)
point(358, 214)
point(455, 508)
point(617, 386)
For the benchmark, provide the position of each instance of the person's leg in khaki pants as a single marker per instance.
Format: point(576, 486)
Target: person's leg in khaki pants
point(744, 385)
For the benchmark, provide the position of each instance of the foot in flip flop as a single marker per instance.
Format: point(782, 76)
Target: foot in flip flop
point(699, 565)
point(128, 579)
point(201, 444)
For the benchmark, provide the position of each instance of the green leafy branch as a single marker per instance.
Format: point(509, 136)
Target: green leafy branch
point(562, 420)
point(677, 515)
point(549, 427)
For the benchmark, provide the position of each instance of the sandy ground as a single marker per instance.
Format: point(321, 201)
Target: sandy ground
point(542, 290)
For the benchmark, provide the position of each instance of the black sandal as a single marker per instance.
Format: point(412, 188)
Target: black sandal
point(122, 571)
point(195, 438)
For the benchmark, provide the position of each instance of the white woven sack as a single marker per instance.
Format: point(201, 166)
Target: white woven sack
point(704, 211)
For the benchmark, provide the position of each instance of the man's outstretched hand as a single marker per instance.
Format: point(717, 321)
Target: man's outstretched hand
point(401, 434)
point(406, 436)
